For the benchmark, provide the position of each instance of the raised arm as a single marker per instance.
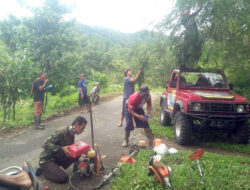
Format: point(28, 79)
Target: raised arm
point(44, 84)
point(137, 75)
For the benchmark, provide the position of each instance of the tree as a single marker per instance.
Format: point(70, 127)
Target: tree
point(223, 26)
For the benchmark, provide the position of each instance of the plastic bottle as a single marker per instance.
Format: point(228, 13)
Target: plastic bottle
point(48, 87)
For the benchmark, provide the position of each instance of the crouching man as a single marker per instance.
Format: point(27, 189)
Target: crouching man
point(135, 115)
point(56, 152)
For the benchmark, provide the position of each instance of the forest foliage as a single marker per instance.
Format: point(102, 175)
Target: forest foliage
point(47, 42)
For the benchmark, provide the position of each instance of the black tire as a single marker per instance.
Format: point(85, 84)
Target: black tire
point(241, 133)
point(164, 117)
point(182, 129)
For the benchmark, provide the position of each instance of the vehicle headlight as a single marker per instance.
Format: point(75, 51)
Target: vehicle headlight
point(240, 109)
point(247, 108)
point(196, 107)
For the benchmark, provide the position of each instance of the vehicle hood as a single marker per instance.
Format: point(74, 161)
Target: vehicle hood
point(199, 95)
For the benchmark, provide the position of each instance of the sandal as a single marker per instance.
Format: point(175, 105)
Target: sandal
point(32, 175)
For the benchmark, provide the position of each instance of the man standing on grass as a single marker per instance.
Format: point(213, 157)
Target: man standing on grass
point(83, 96)
point(135, 115)
point(38, 90)
point(128, 89)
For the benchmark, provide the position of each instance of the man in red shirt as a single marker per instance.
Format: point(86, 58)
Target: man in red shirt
point(135, 115)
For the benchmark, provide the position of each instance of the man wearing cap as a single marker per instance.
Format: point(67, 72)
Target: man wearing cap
point(128, 89)
point(135, 115)
point(83, 96)
point(38, 89)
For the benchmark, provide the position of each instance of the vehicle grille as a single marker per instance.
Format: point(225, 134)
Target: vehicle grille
point(218, 107)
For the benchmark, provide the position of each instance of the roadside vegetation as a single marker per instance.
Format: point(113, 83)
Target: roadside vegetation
point(54, 105)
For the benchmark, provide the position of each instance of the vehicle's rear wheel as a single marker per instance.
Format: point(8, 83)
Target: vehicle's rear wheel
point(182, 129)
point(164, 117)
point(241, 133)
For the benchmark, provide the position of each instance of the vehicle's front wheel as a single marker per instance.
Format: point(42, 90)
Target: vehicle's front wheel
point(241, 133)
point(164, 117)
point(182, 129)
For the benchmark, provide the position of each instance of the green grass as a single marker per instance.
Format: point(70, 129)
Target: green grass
point(220, 172)
point(25, 110)
point(111, 90)
point(229, 147)
point(161, 131)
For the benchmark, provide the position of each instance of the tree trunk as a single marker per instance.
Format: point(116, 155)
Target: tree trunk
point(14, 110)
point(4, 114)
point(9, 107)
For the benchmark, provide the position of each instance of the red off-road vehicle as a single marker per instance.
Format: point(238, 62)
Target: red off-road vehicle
point(198, 100)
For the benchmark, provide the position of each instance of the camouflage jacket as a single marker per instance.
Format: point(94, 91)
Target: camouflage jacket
point(54, 144)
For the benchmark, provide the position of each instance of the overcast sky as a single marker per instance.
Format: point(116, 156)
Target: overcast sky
point(122, 15)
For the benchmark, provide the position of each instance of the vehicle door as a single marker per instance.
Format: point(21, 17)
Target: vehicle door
point(171, 91)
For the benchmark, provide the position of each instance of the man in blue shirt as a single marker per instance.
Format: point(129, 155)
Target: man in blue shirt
point(83, 96)
point(128, 88)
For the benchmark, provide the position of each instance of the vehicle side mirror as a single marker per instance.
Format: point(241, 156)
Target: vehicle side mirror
point(172, 84)
point(230, 86)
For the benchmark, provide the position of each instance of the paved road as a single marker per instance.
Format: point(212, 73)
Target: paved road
point(26, 144)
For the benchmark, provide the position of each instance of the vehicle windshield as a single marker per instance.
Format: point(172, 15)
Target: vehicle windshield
point(204, 80)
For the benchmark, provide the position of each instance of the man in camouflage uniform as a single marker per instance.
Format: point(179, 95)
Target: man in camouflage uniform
point(56, 151)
